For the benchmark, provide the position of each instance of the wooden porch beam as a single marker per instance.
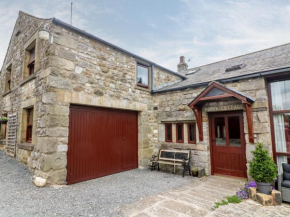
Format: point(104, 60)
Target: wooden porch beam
point(249, 115)
point(198, 116)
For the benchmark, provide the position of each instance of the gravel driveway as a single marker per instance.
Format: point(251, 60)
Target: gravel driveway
point(100, 197)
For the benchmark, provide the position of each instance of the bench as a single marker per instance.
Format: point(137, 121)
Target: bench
point(172, 157)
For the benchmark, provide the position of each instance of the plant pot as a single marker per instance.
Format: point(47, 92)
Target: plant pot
point(194, 173)
point(264, 188)
point(3, 122)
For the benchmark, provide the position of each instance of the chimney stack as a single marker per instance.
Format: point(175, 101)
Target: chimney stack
point(182, 67)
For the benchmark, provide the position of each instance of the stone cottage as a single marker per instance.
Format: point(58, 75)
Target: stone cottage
point(79, 108)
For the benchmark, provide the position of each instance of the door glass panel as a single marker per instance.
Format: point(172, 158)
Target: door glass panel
point(234, 131)
point(220, 131)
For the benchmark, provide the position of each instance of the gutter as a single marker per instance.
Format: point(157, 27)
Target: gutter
point(61, 23)
point(237, 78)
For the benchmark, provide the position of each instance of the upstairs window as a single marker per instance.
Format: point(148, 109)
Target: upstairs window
point(191, 133)
point(30, 60)
point(29, 124)
point(168, 132)
point(142, 76)
point(179, 133)
point(8, 78)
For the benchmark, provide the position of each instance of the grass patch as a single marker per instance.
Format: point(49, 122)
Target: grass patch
point(234, 199)
point(230, 199)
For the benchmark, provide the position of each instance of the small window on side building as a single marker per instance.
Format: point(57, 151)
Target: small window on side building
point(29, 124)
point(30, 60)
point(142, 76)
point(179, 133)
point(168, 132)
point(191, 133)
point(3, 129)
point(8, 78)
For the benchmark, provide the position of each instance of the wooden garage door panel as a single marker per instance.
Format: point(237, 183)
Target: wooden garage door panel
point(101, 142)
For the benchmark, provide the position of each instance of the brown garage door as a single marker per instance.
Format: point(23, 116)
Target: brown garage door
point(101, 142)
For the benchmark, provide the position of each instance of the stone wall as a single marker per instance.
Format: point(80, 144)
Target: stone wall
point(172, 108)
point(25, 91)
point(163, 78)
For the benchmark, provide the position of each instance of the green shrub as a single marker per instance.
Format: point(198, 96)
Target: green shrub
point(3, 119)
point(262, 167)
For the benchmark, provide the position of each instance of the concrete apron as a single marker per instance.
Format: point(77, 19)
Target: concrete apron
point(197, 199)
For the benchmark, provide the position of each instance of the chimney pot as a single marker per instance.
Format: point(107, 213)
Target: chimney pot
point(182, 59)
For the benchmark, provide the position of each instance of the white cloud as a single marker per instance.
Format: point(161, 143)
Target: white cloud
point(216, 30)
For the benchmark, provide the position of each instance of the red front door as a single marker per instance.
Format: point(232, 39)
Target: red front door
point(228, 144)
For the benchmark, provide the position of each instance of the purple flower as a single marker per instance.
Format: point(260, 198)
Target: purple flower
point(242, 194)
point(251, 184)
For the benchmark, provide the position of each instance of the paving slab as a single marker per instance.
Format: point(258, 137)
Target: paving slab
point(198, 197)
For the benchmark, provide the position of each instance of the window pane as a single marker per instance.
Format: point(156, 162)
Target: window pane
point(282, 132)
point(220, 131)
point(280, 92)
point(234, 131)
point(191, 133)
point(179, 132)
point(31, 55)
point(29, 133)
point(215, 92)
point(30, 118)
point(168, 132)
point(280, 160)
point(142, 75)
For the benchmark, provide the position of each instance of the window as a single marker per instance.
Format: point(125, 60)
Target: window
point(179, 133)
point(8, 78)
point(191, 133)
point(168, 132)
point(29, 125)
point(142, 76)
point(3, 129)
point(29, 60)
point(280, 115)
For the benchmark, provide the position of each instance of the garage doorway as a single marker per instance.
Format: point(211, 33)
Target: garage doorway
point(102, 141)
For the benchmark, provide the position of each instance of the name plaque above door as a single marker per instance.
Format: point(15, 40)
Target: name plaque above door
point(224, 108)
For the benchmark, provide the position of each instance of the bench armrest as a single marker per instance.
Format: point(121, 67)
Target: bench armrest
point(154, 158)
point(280, 180)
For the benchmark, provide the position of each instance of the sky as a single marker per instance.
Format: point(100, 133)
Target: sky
point(204, 31)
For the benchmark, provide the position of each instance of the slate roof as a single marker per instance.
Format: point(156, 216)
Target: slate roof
point(260, 61)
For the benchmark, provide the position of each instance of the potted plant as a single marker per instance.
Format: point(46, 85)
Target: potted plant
point(263, 169)
point(194, 172)
point(3, 120)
